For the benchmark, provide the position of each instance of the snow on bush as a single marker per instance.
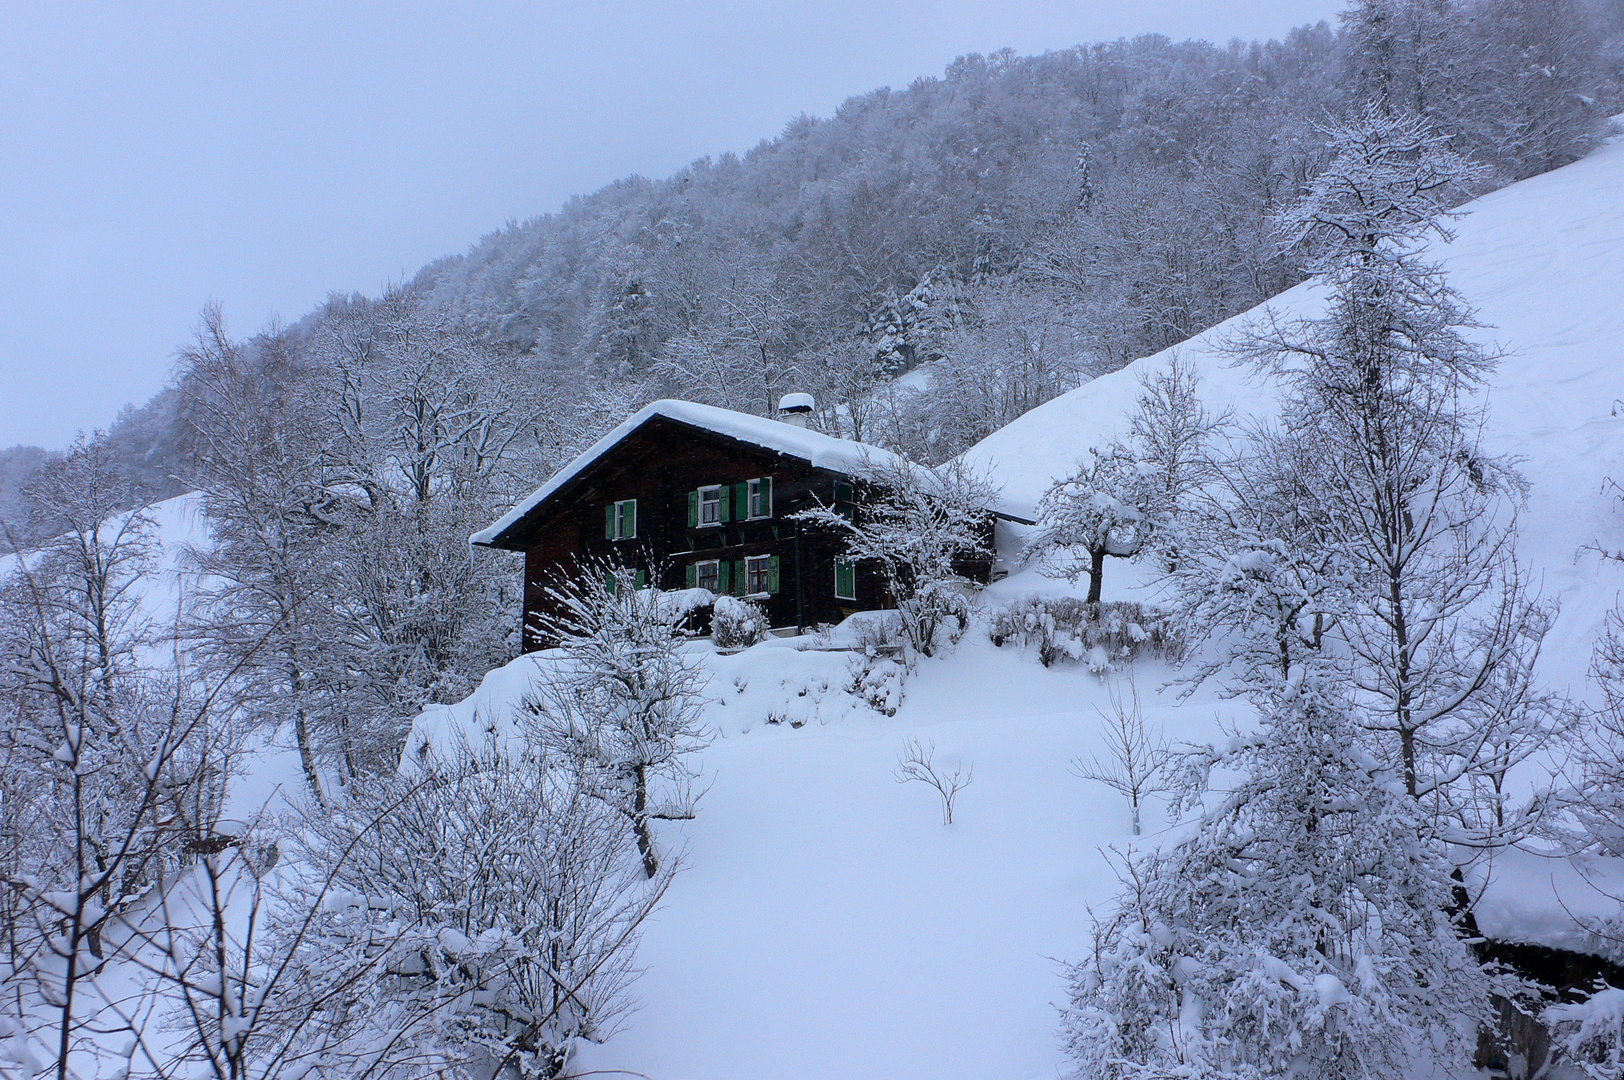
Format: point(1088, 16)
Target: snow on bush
point(737, 624)
point(877, 682)
point(1104, 636)
point(1590, 1033)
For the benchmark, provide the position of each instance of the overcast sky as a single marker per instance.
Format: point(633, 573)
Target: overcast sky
point(154, 157)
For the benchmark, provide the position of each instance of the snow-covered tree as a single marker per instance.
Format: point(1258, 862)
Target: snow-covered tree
point(624, 708)
point(112, 773)
point(1379, 431)
point(918, 527)
point(1257, 588)
point(1171, 431)
point(1300, 929)
point(1108, 507)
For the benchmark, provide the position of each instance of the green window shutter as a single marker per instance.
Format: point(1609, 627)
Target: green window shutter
point(609, 582)
point(693, 575)
point(741, 584)
point(767, 495)
point(725, 505)
point(639, 581)
point(693, 509)
point(631, 519)
point(741, 502)
point(842, 492)
point(845, 579)
point(772, 574)
point(724, 577)
point(609, 522)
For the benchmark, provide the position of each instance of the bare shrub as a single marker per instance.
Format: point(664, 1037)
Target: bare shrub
point(1135, 761)
point(916, 764)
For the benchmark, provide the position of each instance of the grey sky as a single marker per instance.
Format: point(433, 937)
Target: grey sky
point(155, 157)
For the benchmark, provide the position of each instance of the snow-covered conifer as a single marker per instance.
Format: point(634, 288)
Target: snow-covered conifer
point(1301, 929)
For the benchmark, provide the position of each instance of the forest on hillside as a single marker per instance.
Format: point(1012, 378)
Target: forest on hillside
point(1014, 226)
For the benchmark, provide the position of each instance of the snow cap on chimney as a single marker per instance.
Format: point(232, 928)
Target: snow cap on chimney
point(795, 408)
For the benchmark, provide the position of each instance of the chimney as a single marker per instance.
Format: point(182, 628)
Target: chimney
point(794, 409)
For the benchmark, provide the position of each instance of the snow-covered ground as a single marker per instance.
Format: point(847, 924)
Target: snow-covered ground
point(826, 923)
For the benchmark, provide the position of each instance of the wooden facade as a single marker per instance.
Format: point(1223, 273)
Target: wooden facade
point(685, 506)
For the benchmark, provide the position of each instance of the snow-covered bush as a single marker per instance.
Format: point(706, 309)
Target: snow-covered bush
point(492, 908)
point(1103, 636)
point(1300, 930)
point(877, 680)
point(1590, 1033)
point(737, 624)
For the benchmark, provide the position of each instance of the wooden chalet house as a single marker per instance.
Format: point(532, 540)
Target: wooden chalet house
point(693, 496)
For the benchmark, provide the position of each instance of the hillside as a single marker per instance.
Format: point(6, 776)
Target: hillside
point(827, 923)
point(1543, 261)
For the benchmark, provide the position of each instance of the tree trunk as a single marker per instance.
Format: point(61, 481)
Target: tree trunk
point(1096, 574)
point(640, 824)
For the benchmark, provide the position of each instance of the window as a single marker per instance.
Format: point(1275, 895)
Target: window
point(614, 579)
point(760, 498)
point(710, 506)
point(620, 520)
point(708, 575)
point(845, 579)
point(761, 574)
point(845, 501)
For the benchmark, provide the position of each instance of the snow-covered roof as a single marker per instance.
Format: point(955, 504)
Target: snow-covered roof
point(821, 451)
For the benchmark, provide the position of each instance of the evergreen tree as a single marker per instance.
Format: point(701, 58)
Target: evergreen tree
point(1300, 930)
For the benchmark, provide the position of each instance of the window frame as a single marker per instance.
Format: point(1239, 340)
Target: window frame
point(850, 565)
point(754, 564)
point(760, 489)
point(620, 519)
point(716, 575)
point(715, 493)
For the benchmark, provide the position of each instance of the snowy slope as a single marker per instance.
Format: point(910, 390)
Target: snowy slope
point(1543, 261)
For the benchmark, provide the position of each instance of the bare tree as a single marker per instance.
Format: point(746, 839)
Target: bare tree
point(916, 764)
point(111, 779)
point(624, 705)
point(1135, 762)
point(918, 527)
